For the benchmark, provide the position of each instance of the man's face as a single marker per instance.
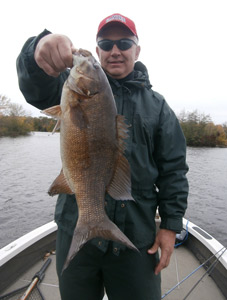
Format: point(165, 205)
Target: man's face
point(118, 63)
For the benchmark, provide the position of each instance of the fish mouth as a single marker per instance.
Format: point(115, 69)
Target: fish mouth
point(79, 79)
point(73, 84)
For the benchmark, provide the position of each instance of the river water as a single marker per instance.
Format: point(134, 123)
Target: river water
point(28, 165)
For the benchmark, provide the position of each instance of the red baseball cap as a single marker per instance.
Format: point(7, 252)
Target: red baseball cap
point(118, 18)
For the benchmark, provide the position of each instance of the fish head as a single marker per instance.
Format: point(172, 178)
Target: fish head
point(82, 88)
point(86, 76)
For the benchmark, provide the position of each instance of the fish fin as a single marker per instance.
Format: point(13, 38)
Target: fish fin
point(78, 117)
point(60, 186)
point(105, 229)
point(120, 185)
point(54, 111)
point(57, 126)
point(122, 132)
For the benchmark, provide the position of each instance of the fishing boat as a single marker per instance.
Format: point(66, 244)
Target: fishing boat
point(198, 267)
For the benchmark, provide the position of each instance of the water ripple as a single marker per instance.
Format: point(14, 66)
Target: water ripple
point(30, 164)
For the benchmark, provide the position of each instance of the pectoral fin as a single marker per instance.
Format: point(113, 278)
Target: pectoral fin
point(54, 111)
point(57, 126)
point(60, 186)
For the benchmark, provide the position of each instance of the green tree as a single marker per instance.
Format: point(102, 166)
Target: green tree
point(44, 124)
point(199, 130)
point(13, 126)
point(12, 118)
point(224, 126)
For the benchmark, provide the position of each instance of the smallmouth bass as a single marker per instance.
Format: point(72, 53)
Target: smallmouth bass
point(92, 142)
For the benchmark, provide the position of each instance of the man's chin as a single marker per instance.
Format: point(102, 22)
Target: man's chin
point(116, 74)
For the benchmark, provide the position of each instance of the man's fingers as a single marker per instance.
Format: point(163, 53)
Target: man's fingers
point(53, 54)
point(165, 239)
point(153, 249)
point(56, 61)
point(66, 55)
point(47, 67)
point(163, 263)
point(164, 259)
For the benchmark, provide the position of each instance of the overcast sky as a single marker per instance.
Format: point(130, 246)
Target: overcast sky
point(184, 44)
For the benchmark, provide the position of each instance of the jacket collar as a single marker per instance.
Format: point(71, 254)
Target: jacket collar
point(140, 78)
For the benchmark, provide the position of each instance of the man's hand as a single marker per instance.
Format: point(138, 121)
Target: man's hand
point(53, 54)
point(165, 240)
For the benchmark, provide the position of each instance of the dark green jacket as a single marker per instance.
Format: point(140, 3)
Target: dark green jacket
point(156, 151)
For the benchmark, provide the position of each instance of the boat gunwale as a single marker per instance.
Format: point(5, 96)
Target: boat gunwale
point(16, 247)
point(213, 245)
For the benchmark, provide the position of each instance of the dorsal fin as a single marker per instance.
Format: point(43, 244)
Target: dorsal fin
point(120, 186)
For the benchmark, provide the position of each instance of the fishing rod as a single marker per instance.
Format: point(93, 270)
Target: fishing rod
point(36, 279)
point(30, 291)
point(193, 272)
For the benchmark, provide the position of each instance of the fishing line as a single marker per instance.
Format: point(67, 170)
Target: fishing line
point(193, 272)
point(209, 271)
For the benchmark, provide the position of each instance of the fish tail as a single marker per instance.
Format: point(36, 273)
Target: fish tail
point(105, 229)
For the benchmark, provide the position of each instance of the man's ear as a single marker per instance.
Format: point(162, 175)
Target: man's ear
point(137, 52)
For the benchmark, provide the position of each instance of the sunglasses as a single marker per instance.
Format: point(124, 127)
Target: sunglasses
point(122, 44)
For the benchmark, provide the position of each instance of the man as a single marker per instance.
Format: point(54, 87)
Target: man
point(155, 150)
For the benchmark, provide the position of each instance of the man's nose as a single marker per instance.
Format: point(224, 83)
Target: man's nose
point(115, 50)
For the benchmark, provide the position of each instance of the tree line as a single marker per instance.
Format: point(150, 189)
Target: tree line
point(14, 121)
point(198, 128)
point(200, 131)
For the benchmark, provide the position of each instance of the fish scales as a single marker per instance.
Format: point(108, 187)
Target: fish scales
point(92, 142)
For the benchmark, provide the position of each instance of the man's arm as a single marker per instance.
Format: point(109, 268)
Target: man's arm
point(172, 184)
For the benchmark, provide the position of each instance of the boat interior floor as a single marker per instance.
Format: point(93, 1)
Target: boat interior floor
point(182, 264)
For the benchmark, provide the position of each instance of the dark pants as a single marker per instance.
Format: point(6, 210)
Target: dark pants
point(127, 276)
